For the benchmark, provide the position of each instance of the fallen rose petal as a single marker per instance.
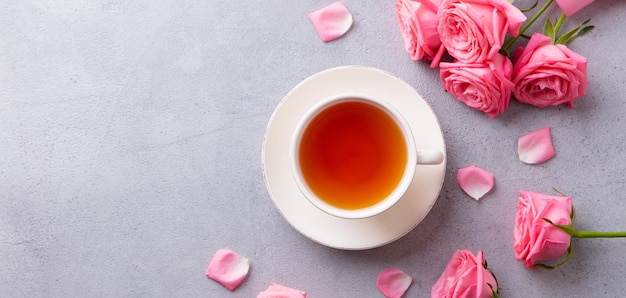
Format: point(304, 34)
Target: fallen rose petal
point(475, 181)
point(278, 291)
point(393, 282)
point(535, 147)
point(570, 7)
point(332, 21)
point(228, 268)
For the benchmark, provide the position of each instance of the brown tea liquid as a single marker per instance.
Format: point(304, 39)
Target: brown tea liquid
point(352, 155)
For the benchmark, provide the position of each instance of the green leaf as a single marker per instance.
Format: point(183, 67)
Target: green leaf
point(585, 30)
point(580, 33)
point(531, 8)
point(567, 36)
point(548, 30)
point(571, 35)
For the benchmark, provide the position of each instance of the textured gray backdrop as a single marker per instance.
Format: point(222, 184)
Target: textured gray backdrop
point(130, 150)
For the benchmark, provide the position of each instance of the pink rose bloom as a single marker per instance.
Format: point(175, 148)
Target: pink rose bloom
point(465, 275)
point(481, 86)
point(474, 30)
point(548, 75)
point(535, 239)
point(570, 7)
point(418, 24)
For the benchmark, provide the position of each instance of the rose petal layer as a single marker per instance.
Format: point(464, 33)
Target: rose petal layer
point(228, 268)
point(536, 147)
point(393, 282)
point(475, 181)
point(278, 291)
point(332, 21)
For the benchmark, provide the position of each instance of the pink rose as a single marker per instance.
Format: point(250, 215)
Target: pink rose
point(474, 30)
point(548, 75)
point(418, 24)
point(534, 238)
point(465, 275)
point(481, 86)
point(570, 7)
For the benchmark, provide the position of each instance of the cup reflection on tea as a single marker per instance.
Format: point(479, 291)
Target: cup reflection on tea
point(354, 156)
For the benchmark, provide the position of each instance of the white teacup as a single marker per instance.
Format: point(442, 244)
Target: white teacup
point(354, 156)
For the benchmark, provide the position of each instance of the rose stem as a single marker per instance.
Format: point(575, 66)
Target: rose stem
point(570, 230)
point(592, 234)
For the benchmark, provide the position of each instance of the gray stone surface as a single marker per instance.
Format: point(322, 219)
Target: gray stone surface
point(130, 151)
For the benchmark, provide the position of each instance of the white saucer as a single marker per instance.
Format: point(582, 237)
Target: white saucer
point(344, 233)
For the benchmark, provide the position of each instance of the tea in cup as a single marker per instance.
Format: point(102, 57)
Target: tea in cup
point(354, 156)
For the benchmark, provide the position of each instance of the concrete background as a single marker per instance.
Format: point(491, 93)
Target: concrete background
point(130, 151)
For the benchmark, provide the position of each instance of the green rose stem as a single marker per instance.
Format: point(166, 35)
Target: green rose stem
point(592, 234)
point(509, 43)
point(586, 234)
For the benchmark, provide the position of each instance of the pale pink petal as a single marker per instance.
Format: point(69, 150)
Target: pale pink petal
point(278, 291)
point(332, 21)
point(535, 147)
point(393, 282)
point(475, 181)
point(570, 7)
point(228, 268)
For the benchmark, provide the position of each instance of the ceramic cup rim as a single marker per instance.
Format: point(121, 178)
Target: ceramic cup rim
point(409, 169)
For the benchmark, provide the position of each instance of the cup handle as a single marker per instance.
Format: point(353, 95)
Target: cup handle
point(429, 157)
